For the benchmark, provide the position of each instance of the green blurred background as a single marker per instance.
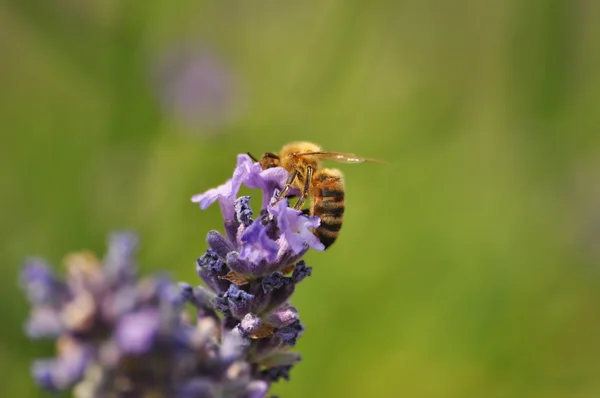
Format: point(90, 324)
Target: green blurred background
point(467, 267)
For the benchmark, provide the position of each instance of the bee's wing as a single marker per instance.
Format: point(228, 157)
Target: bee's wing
point(340, 157)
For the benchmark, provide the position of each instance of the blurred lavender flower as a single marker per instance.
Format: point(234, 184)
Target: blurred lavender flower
point(197, 88)
point(120, 337)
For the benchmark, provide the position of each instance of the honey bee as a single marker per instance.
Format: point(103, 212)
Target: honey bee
point(324, 187)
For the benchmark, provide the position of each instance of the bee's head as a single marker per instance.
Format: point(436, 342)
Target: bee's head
point(269, 160)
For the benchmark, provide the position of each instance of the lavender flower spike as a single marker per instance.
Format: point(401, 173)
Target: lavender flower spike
point(254, 267)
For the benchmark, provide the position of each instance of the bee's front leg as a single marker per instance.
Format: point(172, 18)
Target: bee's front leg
point(304, 194)
point(286, 189)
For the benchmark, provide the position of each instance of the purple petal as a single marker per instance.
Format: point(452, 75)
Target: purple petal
point(119, 263)
point(242, 170)
point(135, 333)
point(226, 192)
point(44, 322)
point(121, 302)
point(256, 389)
point(39, 282)
point(253, 178)
point(256, 244)
point(62, 372)
point(274, 178)
point(308, 237)
point(209, 197)
point(267, 180)
point(223, 193)
point(295, 227)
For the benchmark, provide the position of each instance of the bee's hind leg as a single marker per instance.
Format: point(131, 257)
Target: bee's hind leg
point(304, 194)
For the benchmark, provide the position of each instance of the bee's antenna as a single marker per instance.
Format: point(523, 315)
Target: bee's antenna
point(252, 157)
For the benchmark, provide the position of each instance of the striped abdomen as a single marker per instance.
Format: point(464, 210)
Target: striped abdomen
point(328, 204)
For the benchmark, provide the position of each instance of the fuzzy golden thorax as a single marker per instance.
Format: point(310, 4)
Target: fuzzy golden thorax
point(290, 160)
